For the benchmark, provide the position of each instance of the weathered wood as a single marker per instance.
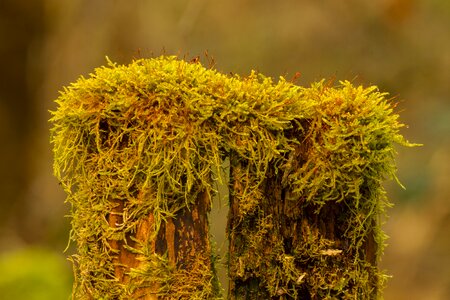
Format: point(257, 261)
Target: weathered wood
point(133, 160)
point(182, 238)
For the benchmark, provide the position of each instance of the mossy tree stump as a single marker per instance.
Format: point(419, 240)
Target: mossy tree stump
point(314, 229)
point(138, 177)
point(136, 148)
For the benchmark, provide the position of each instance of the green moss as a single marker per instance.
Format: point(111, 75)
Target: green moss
point(312, 227)
point(143, 140)
point(127, 145)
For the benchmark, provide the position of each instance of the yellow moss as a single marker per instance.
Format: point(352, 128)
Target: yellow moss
point(322, 201)
point(148, 135)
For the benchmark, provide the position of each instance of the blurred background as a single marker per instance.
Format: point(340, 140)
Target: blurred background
point(403, 46)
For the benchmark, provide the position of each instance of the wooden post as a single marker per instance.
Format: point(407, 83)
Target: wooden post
point(314, 228)
point(129, 154)
point(291, 249)
point(135, 148)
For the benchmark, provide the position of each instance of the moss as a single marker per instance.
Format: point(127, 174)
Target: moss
point(313, 229)
point(137, 173)
point(135, 149)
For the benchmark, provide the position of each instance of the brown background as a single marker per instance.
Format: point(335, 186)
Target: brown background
point(403, 46)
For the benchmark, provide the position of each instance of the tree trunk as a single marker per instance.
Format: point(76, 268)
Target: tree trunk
point(291, 248)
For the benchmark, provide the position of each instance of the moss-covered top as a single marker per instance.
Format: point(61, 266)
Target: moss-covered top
point(171, 120)
point(153, 131)
point(163, 123)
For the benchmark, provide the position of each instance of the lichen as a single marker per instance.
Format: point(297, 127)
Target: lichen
point(135, 149)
